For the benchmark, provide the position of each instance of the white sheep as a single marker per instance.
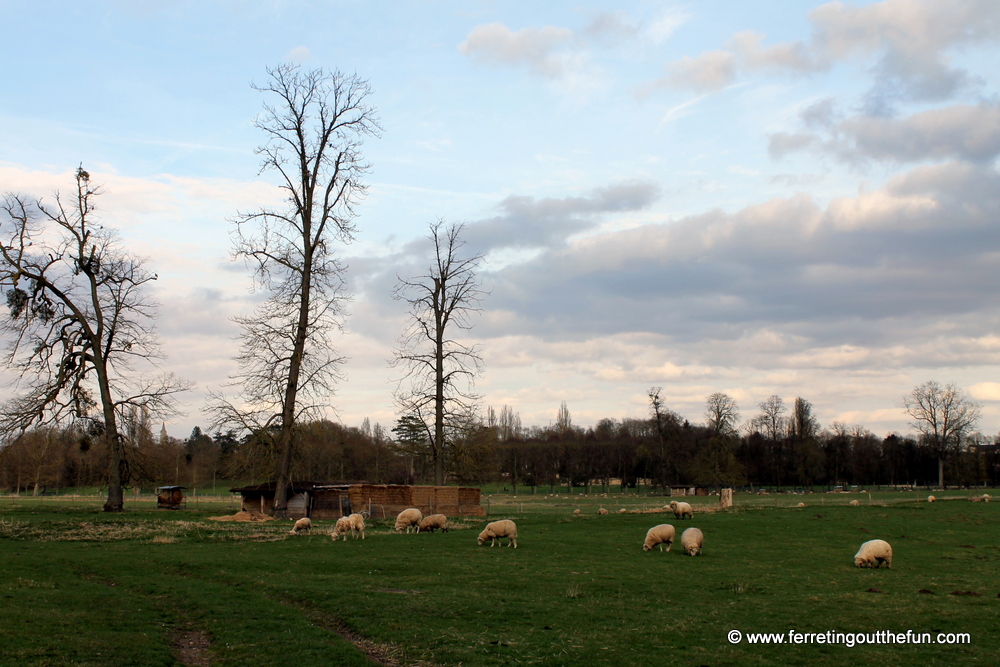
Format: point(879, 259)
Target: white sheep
point(931, 499)
point(622, 511)
point(873, 553)
point(661, 534)
point(343, 527)
point(576, 511)
point(303, 525)
point(497, 529)
point(854, 503)
point(409, 518)
point(986, 497)
point(435, 522)
point(357, 526)
point(692, 540)
point(681, 510)
point(801, 505)
point(602, 511)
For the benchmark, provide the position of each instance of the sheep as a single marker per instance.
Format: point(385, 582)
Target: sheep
point(692, 540)
point(343, 527)
point(662, 534)
point(873, 553)
point(498, 529)
point(602, 511)
point(681, 510)
point(801, 505)
point(303, 525)
point(576, 511)
point(931, 499)
point(854, 503)
point(409, 518)
point(622, 511)
point(357, 525)
point(435, 522)
point(986, 497)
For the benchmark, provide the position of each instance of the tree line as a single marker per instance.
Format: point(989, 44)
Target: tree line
point(780, 446)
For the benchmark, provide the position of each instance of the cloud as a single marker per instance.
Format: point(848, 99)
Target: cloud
point(618, 27)
point(299, 54)
point(911, 40)
point(535, 48)
point(957, 132)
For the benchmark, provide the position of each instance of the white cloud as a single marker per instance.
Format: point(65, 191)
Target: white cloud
point(299, 54)
point(710, 71)
point(536, 48)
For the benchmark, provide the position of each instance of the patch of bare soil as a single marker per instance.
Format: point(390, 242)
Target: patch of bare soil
point(244, 516)
point(190, 647)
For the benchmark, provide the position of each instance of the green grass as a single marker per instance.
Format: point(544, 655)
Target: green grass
point(81, 587)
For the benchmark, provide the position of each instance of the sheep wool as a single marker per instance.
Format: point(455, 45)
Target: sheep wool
point(801, 505)
point(622, 511)
point(602, 511)
point(357, 526)
point(576, 511)
point(692, 540)
point(659, 535)
point(498, 529)
point(303, 525)
point(409, 518)
point(873, 553)
point(435, 522)
point(931, 499)
point(681, 510)
point(343, 527)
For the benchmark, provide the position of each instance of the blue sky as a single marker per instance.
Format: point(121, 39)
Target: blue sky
point(704, 196)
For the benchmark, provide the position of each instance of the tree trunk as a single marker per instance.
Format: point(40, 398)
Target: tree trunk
point(941, 472)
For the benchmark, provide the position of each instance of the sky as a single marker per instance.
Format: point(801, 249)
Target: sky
point(706, 196)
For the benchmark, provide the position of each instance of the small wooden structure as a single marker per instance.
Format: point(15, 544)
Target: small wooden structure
point(170, 497)
point(332, 500)
point(726, 498)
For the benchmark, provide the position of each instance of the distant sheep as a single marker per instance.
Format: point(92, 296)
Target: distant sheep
point(576, 511)
point(986, 497)
point(602, 511)
point(681, 510)
point(409, 518)
point(498, 529)
point(435, 522)
point(622, 511)
point(692, 540)
point(659, 535)
point(801, 505)
point(303, 525)
point(357, 525)
point(873, 553)
point(854, 503)
point(343, 527)
point(931, 499)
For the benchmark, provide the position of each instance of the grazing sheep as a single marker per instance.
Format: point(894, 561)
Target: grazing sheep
point(692, 540)
point(931, 499)
point(622, 511)
point(873, 553)
point(303, 525)
point(357, 523)
point(801, 505)
point(986, 497)
point(662, 534)
point(576, 511)
point(681, 510)
point(435, 522)
point(497, 529)
point(343, 527)
point(409, 518)
point(854, 503)
point(602, 511)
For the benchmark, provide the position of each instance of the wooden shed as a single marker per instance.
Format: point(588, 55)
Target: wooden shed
point(332, 500)
point(385, 501)
point(170, 497)
point(300, 496)
point(679, 490)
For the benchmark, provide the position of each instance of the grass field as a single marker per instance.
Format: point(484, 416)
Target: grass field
point(155, 587)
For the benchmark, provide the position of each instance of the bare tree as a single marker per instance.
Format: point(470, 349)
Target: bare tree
point(287, 365)
point(943, 415)
point(440, 369)
point(771, 420)
point(721, 413)
point(802, 424)
point(79, 325)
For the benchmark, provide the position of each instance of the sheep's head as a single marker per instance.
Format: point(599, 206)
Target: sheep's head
point(673, 505)
point(483, 536)
point(694, 551)
point(646, 547)
point(861, 562)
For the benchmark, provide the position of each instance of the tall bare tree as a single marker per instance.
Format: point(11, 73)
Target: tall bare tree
point(944, 415)
point(79, 326)
point(722, 413)
point(287, 365)
point(439, 369)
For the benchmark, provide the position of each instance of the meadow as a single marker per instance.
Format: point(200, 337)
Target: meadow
point(158, 587)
